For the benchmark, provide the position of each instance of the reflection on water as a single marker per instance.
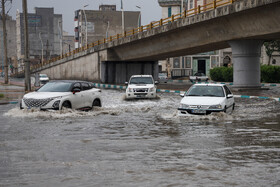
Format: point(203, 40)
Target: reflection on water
point(141, 143)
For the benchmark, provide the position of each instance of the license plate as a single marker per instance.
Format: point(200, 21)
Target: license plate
point(199, 111)
point(139, 96)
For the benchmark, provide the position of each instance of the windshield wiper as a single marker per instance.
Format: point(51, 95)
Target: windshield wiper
point(211, 95)
point(193, 95)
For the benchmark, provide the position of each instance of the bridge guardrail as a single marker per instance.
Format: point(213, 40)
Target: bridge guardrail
point(155, 24)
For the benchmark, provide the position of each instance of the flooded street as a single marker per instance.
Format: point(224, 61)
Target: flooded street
point(140, 143)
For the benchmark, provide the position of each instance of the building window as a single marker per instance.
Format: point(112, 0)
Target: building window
point(191, 4)
point(188, 62)
point(273, 61)
point(169, 11)
point(214, 61)
point(176, 63)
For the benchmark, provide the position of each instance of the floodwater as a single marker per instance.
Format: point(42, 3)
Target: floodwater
point(141, 143)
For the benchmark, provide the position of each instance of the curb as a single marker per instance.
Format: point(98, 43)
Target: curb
point(226, 83)
point(181, 92)
point(8, 102)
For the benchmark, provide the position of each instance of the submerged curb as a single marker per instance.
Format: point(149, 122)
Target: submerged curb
point(8, 102)
point(98, 85)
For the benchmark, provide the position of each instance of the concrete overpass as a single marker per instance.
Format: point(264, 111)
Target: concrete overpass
point(243, 25)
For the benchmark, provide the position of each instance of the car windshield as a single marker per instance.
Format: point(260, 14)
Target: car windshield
point(162, 75)
point(56, 87)
point(141, 80)
point(43, 76)
point(210, 91)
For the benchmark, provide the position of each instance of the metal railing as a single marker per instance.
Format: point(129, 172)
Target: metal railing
point(155, 24)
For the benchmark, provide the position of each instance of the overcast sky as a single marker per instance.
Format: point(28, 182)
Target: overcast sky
point(150, 9)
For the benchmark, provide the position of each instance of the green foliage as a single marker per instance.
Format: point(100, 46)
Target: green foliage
point(272, 46)
point(270, 74)
point(1, 95)
point(222, 74)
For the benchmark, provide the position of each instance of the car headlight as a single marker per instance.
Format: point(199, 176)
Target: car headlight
point(130, 90)
point(184, 106)
point(59, 97)
point(215, 107)
point(152, 89)
point(56, 104)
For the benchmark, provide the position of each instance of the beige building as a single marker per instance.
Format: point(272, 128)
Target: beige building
point(94, 25)
point(68, 42)
point(44, 32)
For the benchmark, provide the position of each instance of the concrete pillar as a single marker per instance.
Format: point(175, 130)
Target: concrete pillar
point(246, 63)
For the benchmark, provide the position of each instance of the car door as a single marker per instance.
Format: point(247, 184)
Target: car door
point(88, 95)
point(77, 98)
point(229, 101)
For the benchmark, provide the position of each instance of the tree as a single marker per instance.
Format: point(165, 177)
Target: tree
point(270, 47)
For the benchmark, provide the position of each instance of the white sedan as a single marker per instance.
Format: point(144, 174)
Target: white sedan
point(68, 94)
point(203, 99)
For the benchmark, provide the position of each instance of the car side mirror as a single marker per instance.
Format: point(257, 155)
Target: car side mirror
point(156, 82)
point(229, 96)
point(126, 83)
point(182, 95)
point(75, 90)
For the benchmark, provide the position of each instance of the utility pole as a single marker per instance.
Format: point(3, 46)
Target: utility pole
point(5, 42)
point(26, 48)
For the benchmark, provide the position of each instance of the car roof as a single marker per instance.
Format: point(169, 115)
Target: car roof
point(69, 81)
point(209, 84)
point(141, 76)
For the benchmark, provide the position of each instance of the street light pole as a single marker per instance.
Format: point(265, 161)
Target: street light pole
point(60, 30)
point(26, 48)
point(42, 57)
point(107, 35)
point(139, 17)
point(85, 21)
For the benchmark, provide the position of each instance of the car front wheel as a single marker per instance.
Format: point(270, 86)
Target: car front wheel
point(20, 106)
point(225, 109)
point(66, 104)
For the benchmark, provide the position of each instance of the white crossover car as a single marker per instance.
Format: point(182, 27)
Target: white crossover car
point(203, 99)
point(58, 94)
point(141, 86)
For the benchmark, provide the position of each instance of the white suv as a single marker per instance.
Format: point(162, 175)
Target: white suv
point(141, 86)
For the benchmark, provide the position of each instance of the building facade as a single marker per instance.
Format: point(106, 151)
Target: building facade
point(44, 32)
point(68, 42)
point(188, 65)
point(93, 25)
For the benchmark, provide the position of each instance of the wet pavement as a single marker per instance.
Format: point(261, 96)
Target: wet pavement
point(141, 143)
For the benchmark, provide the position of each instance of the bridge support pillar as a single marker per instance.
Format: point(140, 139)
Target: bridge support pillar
point(246, 63)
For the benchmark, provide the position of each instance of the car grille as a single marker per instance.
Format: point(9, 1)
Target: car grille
point(36, 102)
point(198, 106)
point(140, 90)
point(140, 93)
